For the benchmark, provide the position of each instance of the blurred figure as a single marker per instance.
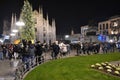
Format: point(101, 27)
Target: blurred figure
point(31, 52)
point(63, 49)
point(78, 48)
point(1, 53)
point(38, 51)
point(55, 50)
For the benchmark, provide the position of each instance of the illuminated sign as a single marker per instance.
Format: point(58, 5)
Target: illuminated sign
point(102, 38)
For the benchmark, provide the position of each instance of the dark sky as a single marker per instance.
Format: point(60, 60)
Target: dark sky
point(69, 14)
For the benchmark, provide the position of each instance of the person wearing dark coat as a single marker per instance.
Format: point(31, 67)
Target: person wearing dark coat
point(56, 50)
point(39, 51)
point(78, 48)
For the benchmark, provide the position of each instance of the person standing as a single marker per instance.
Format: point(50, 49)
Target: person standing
point(78, 47)
point(56, 49)
point(31, 52)
point(38, 51)
point(1, 52)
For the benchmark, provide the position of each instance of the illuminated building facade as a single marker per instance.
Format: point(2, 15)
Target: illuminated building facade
point(110, 28)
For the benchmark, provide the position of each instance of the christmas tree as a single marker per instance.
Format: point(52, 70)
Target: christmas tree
point(28, 31)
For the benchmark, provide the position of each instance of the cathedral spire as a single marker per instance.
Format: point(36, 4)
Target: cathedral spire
point(15, 18)
point(12, 21)
point(53, 22)
point(40, 10)
point(47, 18)
point(72, 32)
point(54, 29)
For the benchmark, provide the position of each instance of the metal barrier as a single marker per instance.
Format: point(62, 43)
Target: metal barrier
point(23, 68)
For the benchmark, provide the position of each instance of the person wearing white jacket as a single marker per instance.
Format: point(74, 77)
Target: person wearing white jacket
point(63, 49)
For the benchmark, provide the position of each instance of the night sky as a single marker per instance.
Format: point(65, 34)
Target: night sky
point(69, 14)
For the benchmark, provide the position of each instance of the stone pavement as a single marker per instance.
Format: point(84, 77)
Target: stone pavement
point(6, 70)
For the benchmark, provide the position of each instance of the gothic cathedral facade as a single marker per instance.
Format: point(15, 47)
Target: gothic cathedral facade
point(45, 32)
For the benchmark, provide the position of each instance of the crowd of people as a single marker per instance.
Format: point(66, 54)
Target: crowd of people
point(95, 47)
point(27, 51)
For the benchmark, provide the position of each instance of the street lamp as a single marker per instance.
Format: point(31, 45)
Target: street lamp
point(20, 23)
point(67, 36)
point(14, 30)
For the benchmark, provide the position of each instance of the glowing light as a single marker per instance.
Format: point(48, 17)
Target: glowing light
point(102, 38)
point(111, 40)
point(1, 40)
point(20, 23)
point(14, 30)
point(7, 37)
point(66, 36)
point(12, 34)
